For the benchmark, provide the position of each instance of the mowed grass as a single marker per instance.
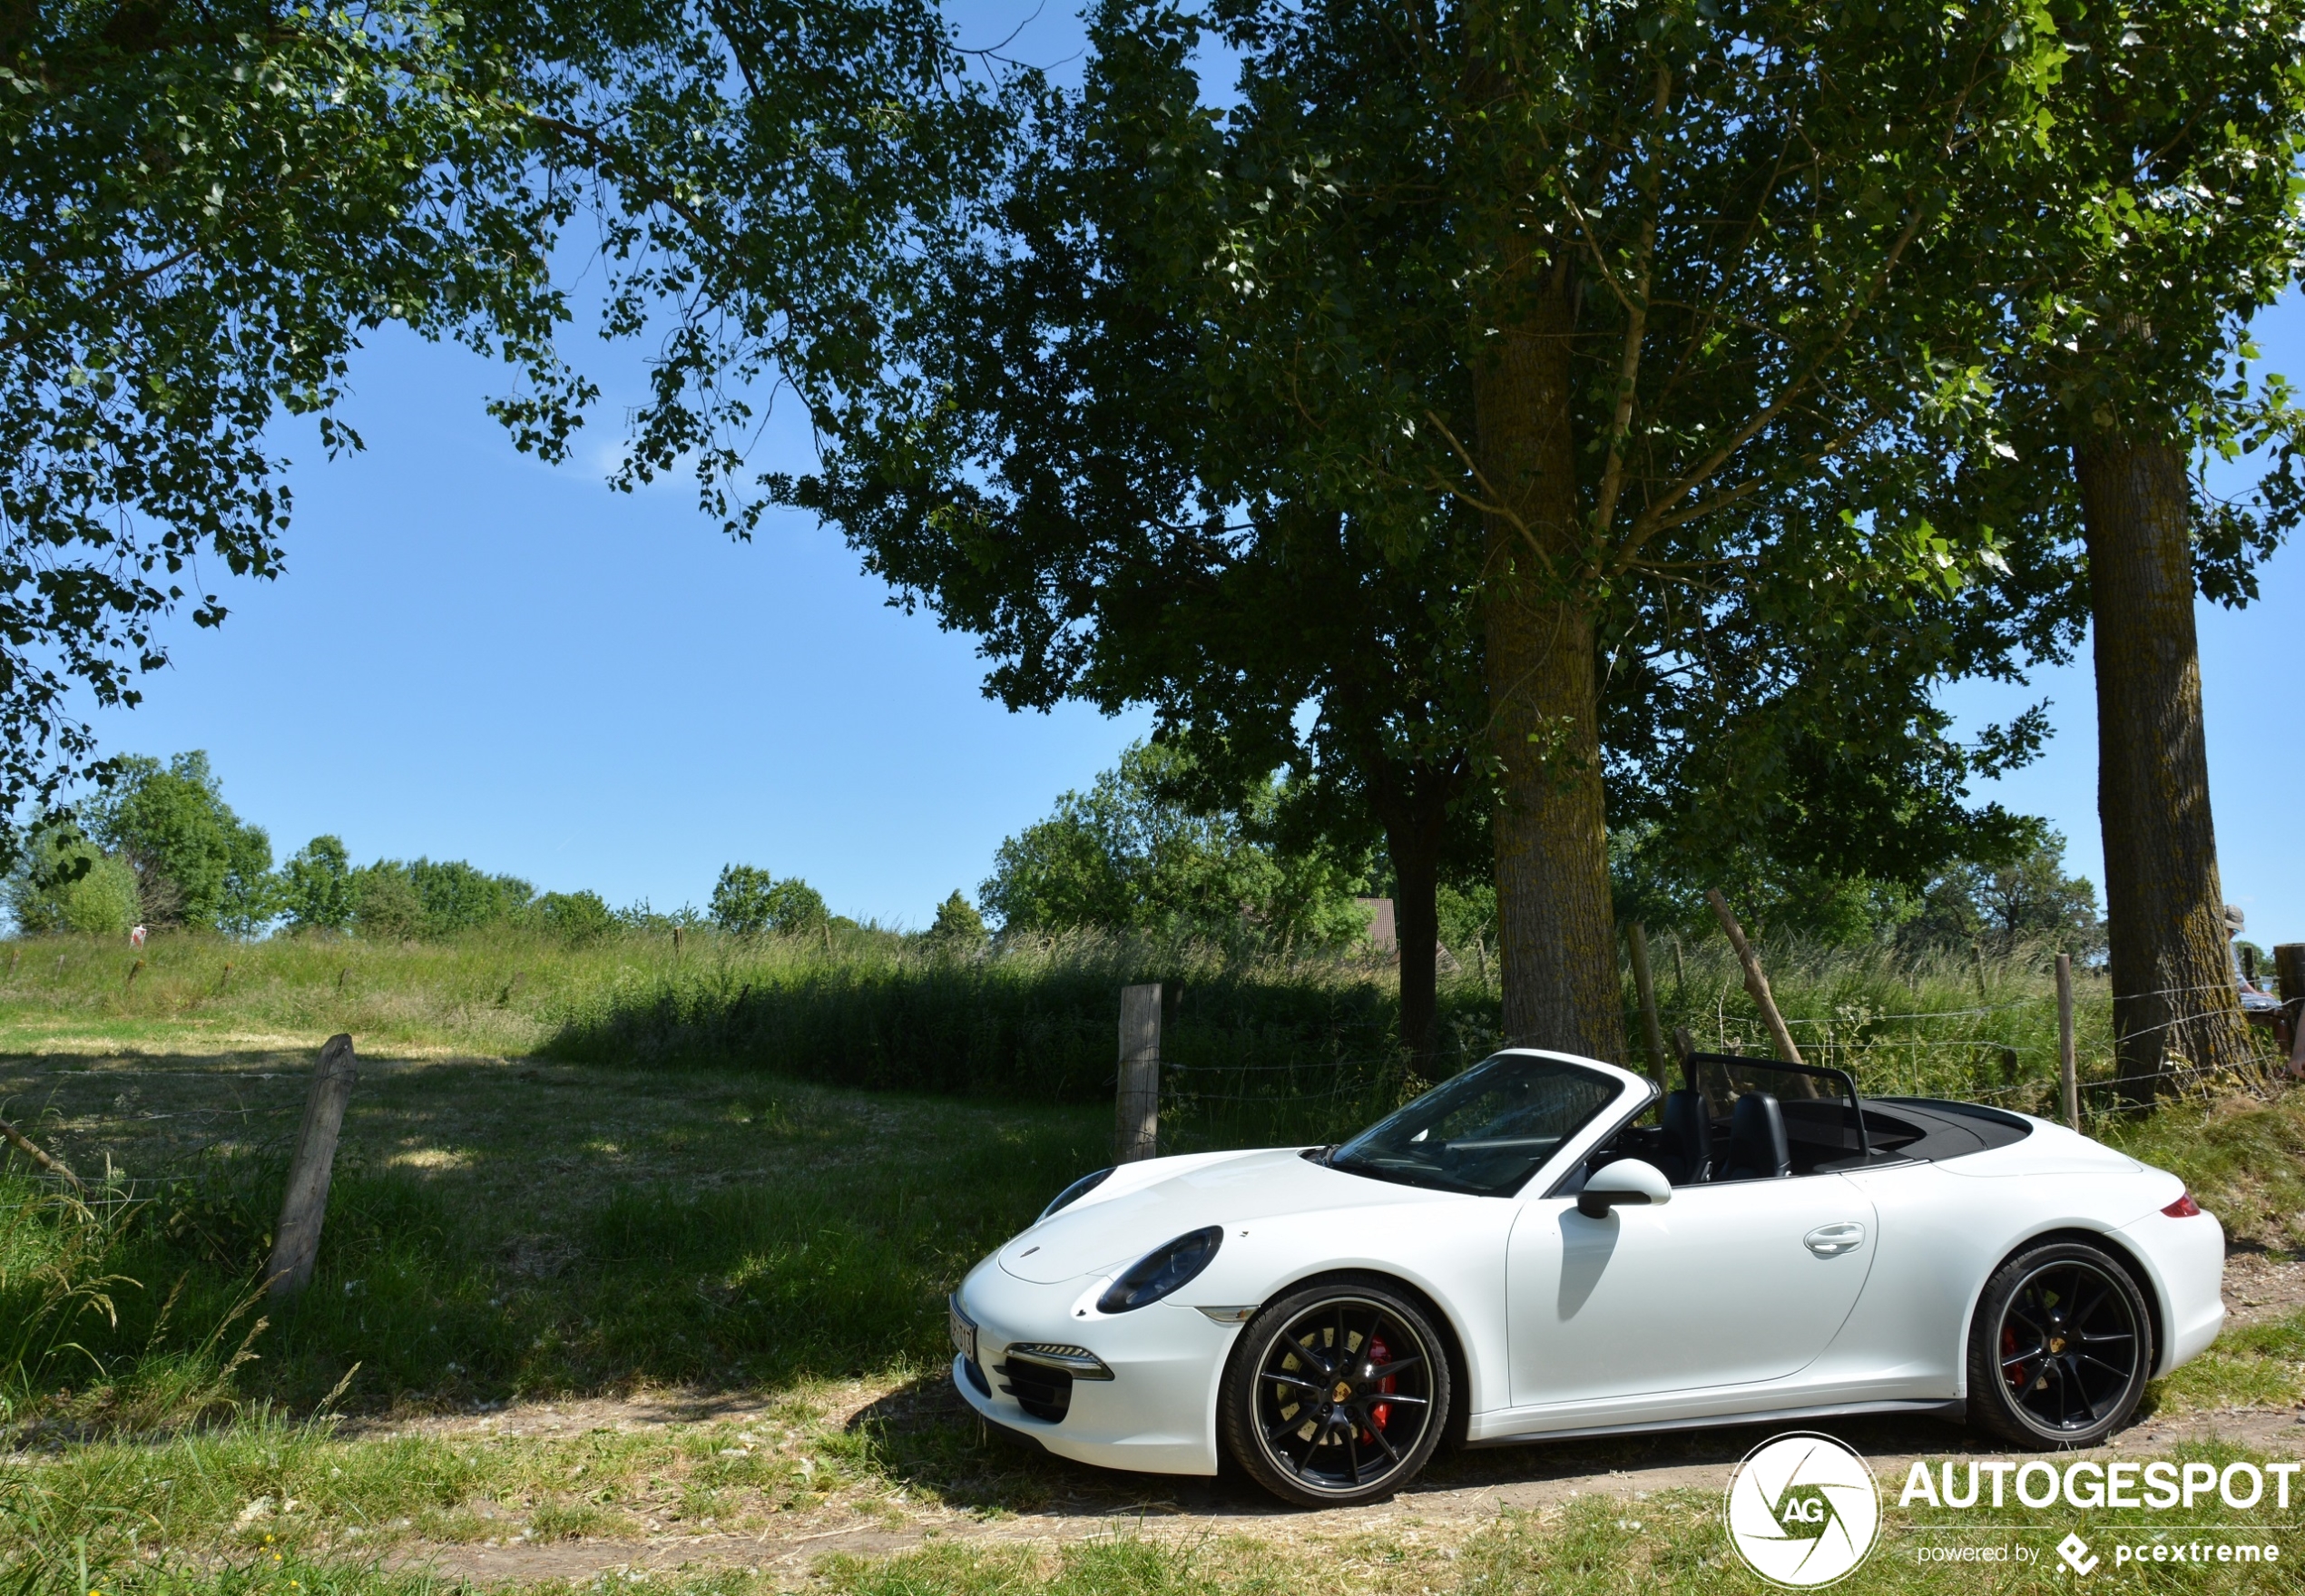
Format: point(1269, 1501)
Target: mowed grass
point(1597, 1545)
point(498, 1232)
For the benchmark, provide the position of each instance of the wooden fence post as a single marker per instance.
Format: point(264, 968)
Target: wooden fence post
point(1756, 982)
point(2289, 969)
point(1137, 1130)
point(297, 1238)
point(39, 1156)
point(1637, 936)
point(2068, 1071)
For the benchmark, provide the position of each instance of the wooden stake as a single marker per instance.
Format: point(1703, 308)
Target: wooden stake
point(1637, 935)
point(1756, 982)
point(32, 1150)
point(2288, 973)
point(13, 954)
point(2068, 1071)
point(133, 971)
point(1137, 1128)
point(296, 1238)
point(1976, 953)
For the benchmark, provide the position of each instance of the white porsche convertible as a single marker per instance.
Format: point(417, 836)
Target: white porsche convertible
point(1518, 1255)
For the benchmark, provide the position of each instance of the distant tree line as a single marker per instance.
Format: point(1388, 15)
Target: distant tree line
point(158, 846)
point(1143, 853)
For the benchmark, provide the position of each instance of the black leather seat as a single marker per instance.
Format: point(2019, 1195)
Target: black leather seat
point(1758, 1149)
point(1687, 1121)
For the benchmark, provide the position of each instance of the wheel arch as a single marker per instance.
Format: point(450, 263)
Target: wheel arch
point(2106, 1241)
point(1460, 1407)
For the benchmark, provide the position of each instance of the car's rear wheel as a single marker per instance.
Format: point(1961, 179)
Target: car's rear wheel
point(2061, 1348)
point(1337, 1394)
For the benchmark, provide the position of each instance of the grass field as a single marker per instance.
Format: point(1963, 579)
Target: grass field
point(1033, 1023)
point(723, 1282)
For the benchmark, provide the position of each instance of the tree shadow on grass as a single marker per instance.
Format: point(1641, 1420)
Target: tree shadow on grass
point(498, 1231)
point(924, 1437)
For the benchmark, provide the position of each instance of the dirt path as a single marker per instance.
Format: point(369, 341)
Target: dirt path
point(1455, 1499)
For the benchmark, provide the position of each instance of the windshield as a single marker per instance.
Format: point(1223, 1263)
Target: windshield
point(1486, 1132)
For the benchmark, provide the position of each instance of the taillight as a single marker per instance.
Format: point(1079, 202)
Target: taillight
point(2184, 1208)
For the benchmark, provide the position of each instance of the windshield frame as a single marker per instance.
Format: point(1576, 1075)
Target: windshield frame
point(1630, 1095)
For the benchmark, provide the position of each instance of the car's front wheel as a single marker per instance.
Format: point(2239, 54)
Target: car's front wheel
point(2061, 1348)
point(1337, 1394)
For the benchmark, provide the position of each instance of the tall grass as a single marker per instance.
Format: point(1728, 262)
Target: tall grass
point(68, 1349)
point(1035, 1022)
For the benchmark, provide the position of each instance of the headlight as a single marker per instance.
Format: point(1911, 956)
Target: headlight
point(1074, 1193)
point(1161, 1272)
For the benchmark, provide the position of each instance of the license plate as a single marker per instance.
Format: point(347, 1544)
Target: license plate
point(964, 1329)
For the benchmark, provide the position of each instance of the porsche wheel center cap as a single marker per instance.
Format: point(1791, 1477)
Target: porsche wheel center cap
point(1344, 1391)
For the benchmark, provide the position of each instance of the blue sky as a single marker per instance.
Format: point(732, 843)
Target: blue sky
point(477, 656)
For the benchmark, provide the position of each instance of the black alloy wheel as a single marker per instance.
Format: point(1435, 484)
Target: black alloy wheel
point(1336, 1395)
point(2061, 1349)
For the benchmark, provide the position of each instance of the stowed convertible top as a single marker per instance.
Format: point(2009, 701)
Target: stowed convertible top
point(1802, 1119)
point(1948, 1129)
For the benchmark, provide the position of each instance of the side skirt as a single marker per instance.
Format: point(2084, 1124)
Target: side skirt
point(1953, 1411)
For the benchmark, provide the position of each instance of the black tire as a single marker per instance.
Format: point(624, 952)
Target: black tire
point(2061, 1348)
point(1322, 1429)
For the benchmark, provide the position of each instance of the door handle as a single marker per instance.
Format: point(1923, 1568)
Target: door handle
point(1832, 1241)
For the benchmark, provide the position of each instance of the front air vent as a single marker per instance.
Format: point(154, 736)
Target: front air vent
point(1042, 1390)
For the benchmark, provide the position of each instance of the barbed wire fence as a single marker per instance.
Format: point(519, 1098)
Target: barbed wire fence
point(2004, 1054)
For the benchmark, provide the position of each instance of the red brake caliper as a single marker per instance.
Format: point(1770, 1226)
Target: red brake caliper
point(1381, 1354)
point(2008, 1350)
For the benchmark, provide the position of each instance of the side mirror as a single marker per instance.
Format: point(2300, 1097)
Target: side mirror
point(1628, 1179)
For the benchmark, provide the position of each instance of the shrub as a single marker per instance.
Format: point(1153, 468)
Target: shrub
point(577, 917)
point(103, 902)
point(958, 924)
point(315, 888)
point(385, 905)
point(457, 897)
point(747, 901)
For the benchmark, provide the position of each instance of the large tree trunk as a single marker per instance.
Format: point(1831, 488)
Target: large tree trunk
point(1556, 930)
point(2174, 1007)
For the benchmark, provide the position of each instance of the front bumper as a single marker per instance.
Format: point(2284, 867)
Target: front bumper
point(1156, 1415)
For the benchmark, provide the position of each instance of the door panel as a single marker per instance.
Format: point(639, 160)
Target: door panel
point(1726, 1284)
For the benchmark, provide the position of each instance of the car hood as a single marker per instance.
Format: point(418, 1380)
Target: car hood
point(1101, 1234)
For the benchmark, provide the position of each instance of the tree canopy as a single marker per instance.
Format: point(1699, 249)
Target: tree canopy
point(206, 205)
point(1136, 854)
point(203, 208)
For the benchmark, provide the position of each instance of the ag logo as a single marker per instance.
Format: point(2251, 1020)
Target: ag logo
point(1802, 1510)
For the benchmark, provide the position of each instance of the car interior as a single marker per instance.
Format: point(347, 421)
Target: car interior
point(1785, 1120)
